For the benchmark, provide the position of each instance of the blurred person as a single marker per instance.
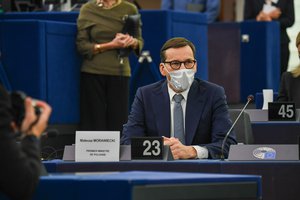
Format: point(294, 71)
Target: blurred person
point(289, 89)
point(204, 117)
point(104, 82)
point(274, 10)
point(209, 7)
point(20, 162)
point(138, 6)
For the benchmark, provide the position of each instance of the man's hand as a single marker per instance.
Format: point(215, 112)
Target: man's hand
point(179, 150)
point(275, 14)
point(262, 16)
point(33, 124)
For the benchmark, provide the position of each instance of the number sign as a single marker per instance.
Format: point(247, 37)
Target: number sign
point(146, 148)
point(282, 111)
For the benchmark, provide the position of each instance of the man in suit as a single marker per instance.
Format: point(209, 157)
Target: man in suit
point(204, 107)
point(274, 10)
point(211, 8)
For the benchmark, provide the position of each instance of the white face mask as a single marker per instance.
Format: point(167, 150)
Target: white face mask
point(181, 79)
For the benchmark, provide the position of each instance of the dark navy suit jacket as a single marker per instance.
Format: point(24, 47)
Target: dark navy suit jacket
point(206, 122)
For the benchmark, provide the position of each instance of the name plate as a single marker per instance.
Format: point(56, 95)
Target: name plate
point(147, 148)
point(97, 146)
point(281, 111)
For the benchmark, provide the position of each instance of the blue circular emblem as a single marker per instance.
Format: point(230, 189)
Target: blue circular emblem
point(264, 153)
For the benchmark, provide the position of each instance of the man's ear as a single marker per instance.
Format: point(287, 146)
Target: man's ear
point(162, 69)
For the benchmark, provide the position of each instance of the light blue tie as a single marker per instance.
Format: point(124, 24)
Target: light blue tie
point(178, 119)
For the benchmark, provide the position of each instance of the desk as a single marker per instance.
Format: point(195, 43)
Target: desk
point(273, 132)
point(258, 115)
point(208, 166)
point(280, 179)
point(137, 185)
point(276, 132)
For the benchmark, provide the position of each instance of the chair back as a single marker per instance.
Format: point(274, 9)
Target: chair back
point(243, 129)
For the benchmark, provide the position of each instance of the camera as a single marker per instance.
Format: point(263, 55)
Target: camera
point(18, 107)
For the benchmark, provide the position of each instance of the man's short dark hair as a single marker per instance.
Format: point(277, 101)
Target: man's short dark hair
point(176, 42)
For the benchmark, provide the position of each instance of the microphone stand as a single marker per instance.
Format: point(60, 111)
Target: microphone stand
point(249, 99)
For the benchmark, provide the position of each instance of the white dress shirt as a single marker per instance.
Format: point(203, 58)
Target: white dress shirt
point(202, 152)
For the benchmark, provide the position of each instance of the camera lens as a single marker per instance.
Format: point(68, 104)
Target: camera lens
point(18, 107)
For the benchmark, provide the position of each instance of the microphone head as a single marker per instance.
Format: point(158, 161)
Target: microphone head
point(250, 98)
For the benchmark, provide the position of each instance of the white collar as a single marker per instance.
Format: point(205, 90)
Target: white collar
point(271, 1)
point(172, 93)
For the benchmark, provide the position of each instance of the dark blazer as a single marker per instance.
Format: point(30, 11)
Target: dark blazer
point(287, 18)
point(206, 122)
point(289, 89)
point(20, 163)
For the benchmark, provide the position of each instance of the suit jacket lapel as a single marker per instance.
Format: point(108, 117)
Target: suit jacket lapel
point(161, 101)
point(194, 109)
point(262, 2)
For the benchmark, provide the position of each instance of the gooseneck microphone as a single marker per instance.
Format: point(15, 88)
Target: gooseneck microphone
point(249, 99)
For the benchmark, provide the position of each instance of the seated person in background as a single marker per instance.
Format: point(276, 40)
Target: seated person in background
point(289, 89)
point(209, 7)
point(20, 162)
point(204, 108)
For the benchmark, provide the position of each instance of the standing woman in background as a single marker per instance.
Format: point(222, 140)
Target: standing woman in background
point(278, 10)
point(104, 82)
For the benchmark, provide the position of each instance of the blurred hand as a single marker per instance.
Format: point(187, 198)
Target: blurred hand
point(33, 124)
point(124, 41)
point(179, 150)
point(262, 16)
point(130, 42)
point(275, 14)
